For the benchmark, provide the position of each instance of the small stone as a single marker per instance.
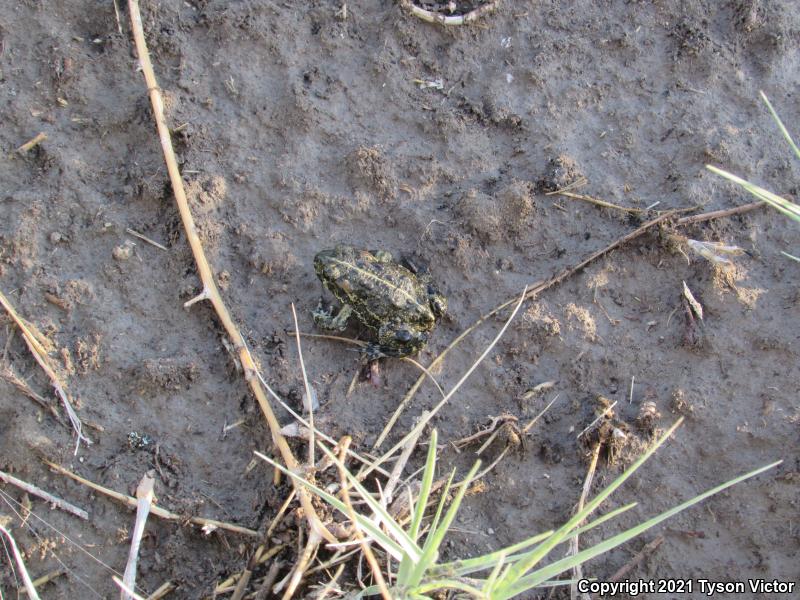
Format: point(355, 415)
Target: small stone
point(123, 251)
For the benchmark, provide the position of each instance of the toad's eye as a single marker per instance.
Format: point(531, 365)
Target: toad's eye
point(402, 335)
point(439, 306)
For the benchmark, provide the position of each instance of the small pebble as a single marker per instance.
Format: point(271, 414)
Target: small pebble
point(56, 237)
point(123, 251)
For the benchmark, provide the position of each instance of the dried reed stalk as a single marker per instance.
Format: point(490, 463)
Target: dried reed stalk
point(210, 291)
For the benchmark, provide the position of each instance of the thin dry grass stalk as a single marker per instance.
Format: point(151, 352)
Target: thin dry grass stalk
point(8, 374)
point(40, 581)
point(144, 498)
point(125, 589)
point(26, 579)
point(719, 214)
point(210, 292)
point(260, 556)
point(32, 143)
point(37, 345)
point(164, 589)
point(40, 493)
point(351, 513)
point(577, 572)
point(532, 291)
point(536, 288)
point(156, 510)
point(596, 201)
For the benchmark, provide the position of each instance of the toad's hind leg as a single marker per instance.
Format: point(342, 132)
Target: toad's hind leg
point(324, 319)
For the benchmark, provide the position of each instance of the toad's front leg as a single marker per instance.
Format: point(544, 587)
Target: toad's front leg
point(324, 319)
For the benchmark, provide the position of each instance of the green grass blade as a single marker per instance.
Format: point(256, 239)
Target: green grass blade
point(449, 584)
point(488, 561)
point(387, 543)
point(428, 560)
point(425, 488)
point(790, 209)
point(495, 575)
point(430, 551)
point(439, 508)
point(409, 546)
point(781, 126)
point(406, 565)
point(535, 579)
point(537, 554)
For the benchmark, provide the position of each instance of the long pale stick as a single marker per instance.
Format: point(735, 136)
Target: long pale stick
point(210, 291)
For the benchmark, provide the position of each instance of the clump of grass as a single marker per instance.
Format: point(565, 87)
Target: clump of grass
point(788, 208)
point(498, 575)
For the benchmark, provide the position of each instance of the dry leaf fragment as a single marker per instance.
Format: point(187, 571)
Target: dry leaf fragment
point(697, 308)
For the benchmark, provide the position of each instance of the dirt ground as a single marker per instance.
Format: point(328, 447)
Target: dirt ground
point(300, 125)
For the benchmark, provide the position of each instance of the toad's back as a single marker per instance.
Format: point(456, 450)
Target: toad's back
point(378, 289)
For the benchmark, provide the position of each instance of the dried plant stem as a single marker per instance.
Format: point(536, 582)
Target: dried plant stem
point(577, 572)
point(7, 373)
point(125, 589)
point(351, 513)
point(260, 556)
point(210, 291)
point(54, 500)
point(42, 357)
point(309, 403)
point(648, 549)
point(269, 581)
point(144, 502)
point(26, 579)
point(428, 415)
point(596, 201)
point(164, 589)
point(719, 214)
point(40, 581)
point(314, 540)
point(532, 291)
point(156, 510)
point(331, 584)
point(32, 143)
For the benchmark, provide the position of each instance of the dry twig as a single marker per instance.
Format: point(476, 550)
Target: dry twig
point(40, 581)
point(7, 373)
point(26, 579)
point(719, 214)
point(648, 549)
point(210, 292)
point(144, 238)
point(532, 291)
point(156, 510)
point(54, 500)
point(596, 201)
point(41, 355)
point(351, 513)
point(32, 143)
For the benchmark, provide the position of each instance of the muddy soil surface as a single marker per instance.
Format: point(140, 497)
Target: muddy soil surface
point(300, 125)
